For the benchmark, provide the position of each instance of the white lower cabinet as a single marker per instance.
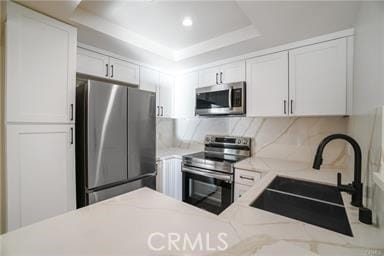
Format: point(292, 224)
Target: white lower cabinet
point(169, 178)
point(244, 180)
point(40, 173)
point(240, 190)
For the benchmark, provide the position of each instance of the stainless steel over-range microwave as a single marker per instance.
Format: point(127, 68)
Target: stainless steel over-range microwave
point(223, 99)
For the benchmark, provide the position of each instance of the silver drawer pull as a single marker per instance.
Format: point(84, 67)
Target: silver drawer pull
point(247, 178)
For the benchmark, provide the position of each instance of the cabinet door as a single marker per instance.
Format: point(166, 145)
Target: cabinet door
point(124, 71)
point(317, 79)
point(185, 95)
point(209, 77)
point(40, 67)
point(171, 178)
point(92, 63)
point(232, 72)
point(40, 173)
point(166, 88)
point(267, 85)
point(149, 79)
point(240, 190)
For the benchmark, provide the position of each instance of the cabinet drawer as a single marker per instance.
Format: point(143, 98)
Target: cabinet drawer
point(240, 189)
point(246, 177)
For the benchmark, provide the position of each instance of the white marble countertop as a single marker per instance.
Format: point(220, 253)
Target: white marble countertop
point(119, 226)
point(166, 153)
point(122, 225)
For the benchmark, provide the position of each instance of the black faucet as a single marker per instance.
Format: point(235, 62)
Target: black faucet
point(356, 187)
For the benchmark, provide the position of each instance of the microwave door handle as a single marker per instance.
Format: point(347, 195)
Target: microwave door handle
point(230, 98)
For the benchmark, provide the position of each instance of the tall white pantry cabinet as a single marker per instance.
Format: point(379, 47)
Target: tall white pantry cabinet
point(40, 116)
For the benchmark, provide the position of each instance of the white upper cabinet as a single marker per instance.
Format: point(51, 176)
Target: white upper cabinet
point(310, 82)
point(185, 99)
point(166, 90)
point(92, 63)
point(149, 79)
point(229, 73)
point(317, 79)
point(232, 72)
point(163, 85)
point(209, 76)
point(267, 85)
point(40, 176)
point(40, 67)
point(123, 71)
point(100, 65)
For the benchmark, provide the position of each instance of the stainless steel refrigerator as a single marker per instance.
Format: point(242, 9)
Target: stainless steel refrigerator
point(116, 140)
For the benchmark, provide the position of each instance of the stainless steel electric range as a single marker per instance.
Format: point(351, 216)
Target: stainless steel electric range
point(208, 177)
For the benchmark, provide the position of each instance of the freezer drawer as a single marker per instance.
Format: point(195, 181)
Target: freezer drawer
point(101, 195)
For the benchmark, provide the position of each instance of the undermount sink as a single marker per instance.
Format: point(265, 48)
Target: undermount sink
point(310, 202)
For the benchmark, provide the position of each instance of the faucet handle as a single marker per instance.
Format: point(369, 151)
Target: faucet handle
point(338, 179)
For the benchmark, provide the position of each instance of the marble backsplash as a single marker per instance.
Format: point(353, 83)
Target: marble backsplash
point(284, 138)
point(367, 129)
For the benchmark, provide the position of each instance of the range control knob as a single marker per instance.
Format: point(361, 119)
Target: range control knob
point(207, 139)
point(245, 141)
point(238, 141)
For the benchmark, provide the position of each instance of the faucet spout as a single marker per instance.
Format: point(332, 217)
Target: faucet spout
point(356, 187)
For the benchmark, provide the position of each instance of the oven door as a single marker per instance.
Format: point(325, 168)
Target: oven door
point(225, 99)
point(209, 190)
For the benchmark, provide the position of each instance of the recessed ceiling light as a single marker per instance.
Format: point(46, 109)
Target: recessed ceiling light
point(187, 22)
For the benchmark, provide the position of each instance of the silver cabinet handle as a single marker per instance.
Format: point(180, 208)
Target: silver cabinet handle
point(221, 77)
point(111, 71)
point(285, 107)
point(206, 173)
point(158, 111)
point(217, 78)
point(246, 178)
point(162, 111)
point(291, 107)
point(106, 70)
point(71, 119)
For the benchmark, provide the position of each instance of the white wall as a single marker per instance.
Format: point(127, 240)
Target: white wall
point(365, 123)
point(369, 58)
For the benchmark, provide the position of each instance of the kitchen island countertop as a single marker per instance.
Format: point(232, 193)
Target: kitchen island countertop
point(122, 225)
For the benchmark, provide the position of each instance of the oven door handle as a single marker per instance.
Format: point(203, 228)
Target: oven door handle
point(210, 174)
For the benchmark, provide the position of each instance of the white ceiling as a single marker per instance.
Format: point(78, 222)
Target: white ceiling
point(221, 29)
point(161, 21)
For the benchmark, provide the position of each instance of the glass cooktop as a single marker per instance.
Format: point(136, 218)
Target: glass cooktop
point(216, 157)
